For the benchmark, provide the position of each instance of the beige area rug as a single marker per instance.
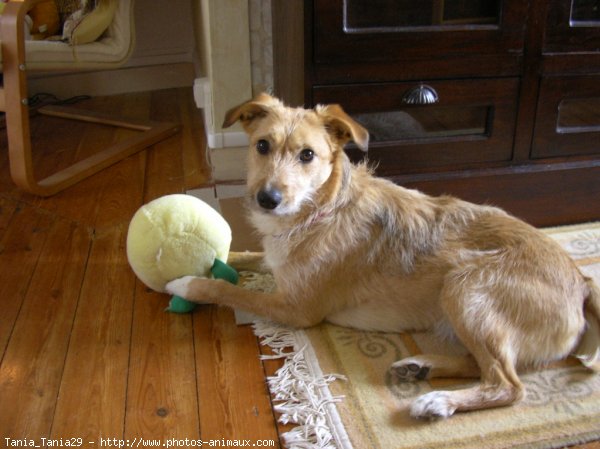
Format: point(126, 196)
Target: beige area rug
point(360, 406)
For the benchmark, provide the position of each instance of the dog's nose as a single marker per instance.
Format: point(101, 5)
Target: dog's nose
point(269, 198)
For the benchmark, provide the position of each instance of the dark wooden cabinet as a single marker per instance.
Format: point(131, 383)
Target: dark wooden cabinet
point(494, 101)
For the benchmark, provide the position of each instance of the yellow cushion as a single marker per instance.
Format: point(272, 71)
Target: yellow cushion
point(95, 23)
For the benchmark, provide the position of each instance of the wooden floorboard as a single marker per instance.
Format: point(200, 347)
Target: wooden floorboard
point(162, 395)
point(86, 350)
point(230, 372)
point(21, 247)
point(32, 368)
point(92, 396)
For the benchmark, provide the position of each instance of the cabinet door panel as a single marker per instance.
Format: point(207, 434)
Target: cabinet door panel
point(468, 122)
point(408, 15)
point(394, 30)
point(568, 117)
point(572, 27)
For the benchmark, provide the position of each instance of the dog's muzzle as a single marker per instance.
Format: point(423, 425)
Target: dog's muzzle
point(269, 199)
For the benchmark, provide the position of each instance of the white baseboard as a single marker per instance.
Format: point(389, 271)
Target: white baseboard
point(223, 139)
point(228, 164)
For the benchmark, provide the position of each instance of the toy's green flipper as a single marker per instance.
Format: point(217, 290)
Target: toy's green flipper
point(180, 305)
point(221, 270)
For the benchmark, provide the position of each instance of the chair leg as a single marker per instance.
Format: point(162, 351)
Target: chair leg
point(18, 129)
point(15, 94)
point(21, 166)
point(20, 153)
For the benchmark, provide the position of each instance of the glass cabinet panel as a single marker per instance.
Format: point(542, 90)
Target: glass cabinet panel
point(578, 115)
point(572, 26)
point(393, 15)
point(568, 117)
point(585, 13)
point(426, 122)
point(485, 35)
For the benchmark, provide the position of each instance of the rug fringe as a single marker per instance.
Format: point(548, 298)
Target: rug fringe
point(301, 393)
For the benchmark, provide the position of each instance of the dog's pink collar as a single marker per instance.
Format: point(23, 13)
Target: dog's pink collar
point(312, 220)
point(317, 217)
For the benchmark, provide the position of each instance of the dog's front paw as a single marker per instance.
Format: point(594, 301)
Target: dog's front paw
point(434, 405)
point(180, 287)
point(410, 369)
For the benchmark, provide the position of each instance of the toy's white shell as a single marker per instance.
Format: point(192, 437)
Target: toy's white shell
point(175, 236)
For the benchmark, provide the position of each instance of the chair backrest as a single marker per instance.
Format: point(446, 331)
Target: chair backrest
point(112, 50)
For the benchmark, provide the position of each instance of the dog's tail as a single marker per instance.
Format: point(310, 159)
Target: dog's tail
point(588, 350)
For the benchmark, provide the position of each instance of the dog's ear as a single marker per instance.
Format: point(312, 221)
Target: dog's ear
point(249, 111)
point(342, 127)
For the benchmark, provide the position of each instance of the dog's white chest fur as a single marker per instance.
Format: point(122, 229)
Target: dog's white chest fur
point(276, 253)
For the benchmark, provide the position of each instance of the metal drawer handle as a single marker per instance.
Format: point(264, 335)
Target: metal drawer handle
point(422, 94)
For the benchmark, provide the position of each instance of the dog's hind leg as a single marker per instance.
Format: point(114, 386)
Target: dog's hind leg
point(588, 350)
point(471, 316)
point(429, 366)
point(499, 386)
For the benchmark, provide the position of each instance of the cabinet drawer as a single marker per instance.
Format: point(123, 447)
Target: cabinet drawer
point(568, 117)
point(469, 122)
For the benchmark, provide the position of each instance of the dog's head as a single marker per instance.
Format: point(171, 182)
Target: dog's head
point(296, 155)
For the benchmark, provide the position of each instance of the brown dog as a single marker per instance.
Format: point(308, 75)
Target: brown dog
point(359, 251)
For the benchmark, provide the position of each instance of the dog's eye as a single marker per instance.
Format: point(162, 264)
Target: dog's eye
point(262, 146)
point(307, 155)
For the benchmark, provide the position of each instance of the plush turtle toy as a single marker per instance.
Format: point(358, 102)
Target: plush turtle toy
point(178, 235)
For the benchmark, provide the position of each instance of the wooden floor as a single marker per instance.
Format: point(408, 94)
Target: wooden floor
point(86, 350)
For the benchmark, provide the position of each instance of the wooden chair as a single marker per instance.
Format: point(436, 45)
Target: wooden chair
point(20, 56)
